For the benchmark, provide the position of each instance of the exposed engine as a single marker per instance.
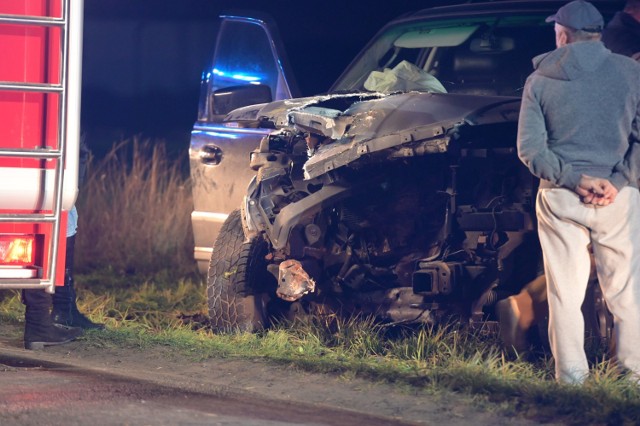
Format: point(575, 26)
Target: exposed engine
point(408, 238)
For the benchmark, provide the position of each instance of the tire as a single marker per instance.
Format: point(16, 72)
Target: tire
point(236, 280)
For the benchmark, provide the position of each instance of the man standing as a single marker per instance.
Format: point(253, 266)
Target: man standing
point(622, 34)
point(580, 110)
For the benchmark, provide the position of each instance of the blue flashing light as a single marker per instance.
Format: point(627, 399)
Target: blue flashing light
point(245, 77)
point(237, 76)
point(216, 134)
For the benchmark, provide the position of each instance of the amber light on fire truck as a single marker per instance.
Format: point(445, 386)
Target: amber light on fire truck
point(16, 255)
point(16, 249)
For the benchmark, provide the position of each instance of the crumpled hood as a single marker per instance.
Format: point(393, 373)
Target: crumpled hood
point(398, 110)
point(390, 114)
point(361, 124)
point(570, 62)
point(277, 112)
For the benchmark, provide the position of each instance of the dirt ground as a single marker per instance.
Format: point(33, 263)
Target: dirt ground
point(308, 398)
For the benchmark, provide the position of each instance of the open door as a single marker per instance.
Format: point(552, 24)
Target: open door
point(249, 67)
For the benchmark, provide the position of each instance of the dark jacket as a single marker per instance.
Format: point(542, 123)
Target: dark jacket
point(580, 110)
point(622, 35)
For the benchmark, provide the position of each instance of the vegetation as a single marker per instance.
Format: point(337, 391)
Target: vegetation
point(134, 212)
point(137, 276)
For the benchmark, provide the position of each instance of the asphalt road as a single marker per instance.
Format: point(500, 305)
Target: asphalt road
point(36, 392)
point(93, 382)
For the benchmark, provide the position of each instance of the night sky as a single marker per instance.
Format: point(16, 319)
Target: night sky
point(143, 58)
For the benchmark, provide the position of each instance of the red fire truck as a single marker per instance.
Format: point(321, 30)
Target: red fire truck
point(40, 79)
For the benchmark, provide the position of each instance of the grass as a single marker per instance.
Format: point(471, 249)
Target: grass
point(134, 212)
point(133, 252)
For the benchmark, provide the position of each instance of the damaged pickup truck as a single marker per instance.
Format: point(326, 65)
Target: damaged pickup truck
point(397, 194)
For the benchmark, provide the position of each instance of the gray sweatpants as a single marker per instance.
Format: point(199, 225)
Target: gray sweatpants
point(566, 227)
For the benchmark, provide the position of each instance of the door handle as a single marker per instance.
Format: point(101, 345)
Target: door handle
point(211, 155)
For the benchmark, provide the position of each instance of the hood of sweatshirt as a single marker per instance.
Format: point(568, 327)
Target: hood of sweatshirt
point(572, 61)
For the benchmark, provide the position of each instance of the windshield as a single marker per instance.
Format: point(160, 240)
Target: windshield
point(489, 55)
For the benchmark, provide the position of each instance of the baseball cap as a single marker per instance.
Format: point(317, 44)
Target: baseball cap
point(579, 15)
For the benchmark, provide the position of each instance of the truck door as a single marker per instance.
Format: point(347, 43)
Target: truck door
point(249, 67)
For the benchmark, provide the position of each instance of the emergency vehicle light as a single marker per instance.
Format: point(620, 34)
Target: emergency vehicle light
point(17, 249)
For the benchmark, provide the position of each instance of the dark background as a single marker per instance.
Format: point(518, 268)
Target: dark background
point(143, 58)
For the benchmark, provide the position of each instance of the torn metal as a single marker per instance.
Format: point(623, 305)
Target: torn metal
point(405, 124)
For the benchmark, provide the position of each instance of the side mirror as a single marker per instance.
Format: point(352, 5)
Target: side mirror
point(223, 101)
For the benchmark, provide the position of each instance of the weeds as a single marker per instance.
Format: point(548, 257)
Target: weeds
point(134, 212)
point(11, 307)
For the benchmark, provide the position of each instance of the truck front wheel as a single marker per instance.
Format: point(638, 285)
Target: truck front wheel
point(237, 280)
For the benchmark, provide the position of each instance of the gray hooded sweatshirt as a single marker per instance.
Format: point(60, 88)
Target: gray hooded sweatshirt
point(580, 114)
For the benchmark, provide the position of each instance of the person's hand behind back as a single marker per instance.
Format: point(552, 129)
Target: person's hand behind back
point(597, 191)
